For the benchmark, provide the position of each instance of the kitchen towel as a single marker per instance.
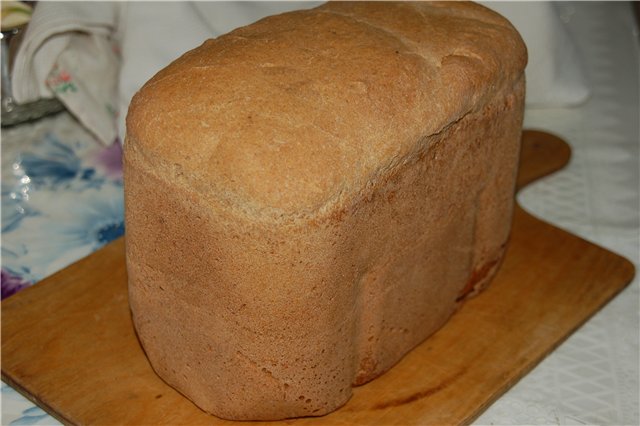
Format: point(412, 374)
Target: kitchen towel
point(69, 52)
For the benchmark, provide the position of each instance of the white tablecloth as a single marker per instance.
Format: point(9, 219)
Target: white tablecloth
point(592, 378)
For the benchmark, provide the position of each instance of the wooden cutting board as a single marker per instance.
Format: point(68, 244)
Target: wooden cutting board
point(69, 345)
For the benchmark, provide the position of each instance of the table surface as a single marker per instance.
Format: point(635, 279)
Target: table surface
point(62, 199)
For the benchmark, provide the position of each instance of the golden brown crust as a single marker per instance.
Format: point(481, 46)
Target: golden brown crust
point(287, 114)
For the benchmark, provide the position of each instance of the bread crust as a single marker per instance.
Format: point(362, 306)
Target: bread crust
point(298, 222)
point(287, 116)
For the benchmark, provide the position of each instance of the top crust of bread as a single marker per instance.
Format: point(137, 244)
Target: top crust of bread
point(277, 121)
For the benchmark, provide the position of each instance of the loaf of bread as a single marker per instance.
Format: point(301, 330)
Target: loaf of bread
point(310, 197)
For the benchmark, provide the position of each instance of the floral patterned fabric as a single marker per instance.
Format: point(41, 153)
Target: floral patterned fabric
point(61, 199)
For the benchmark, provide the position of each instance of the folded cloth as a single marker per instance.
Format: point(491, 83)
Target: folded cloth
point(69, 52)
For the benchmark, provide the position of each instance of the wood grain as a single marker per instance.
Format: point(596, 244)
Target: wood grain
point(69, 344)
